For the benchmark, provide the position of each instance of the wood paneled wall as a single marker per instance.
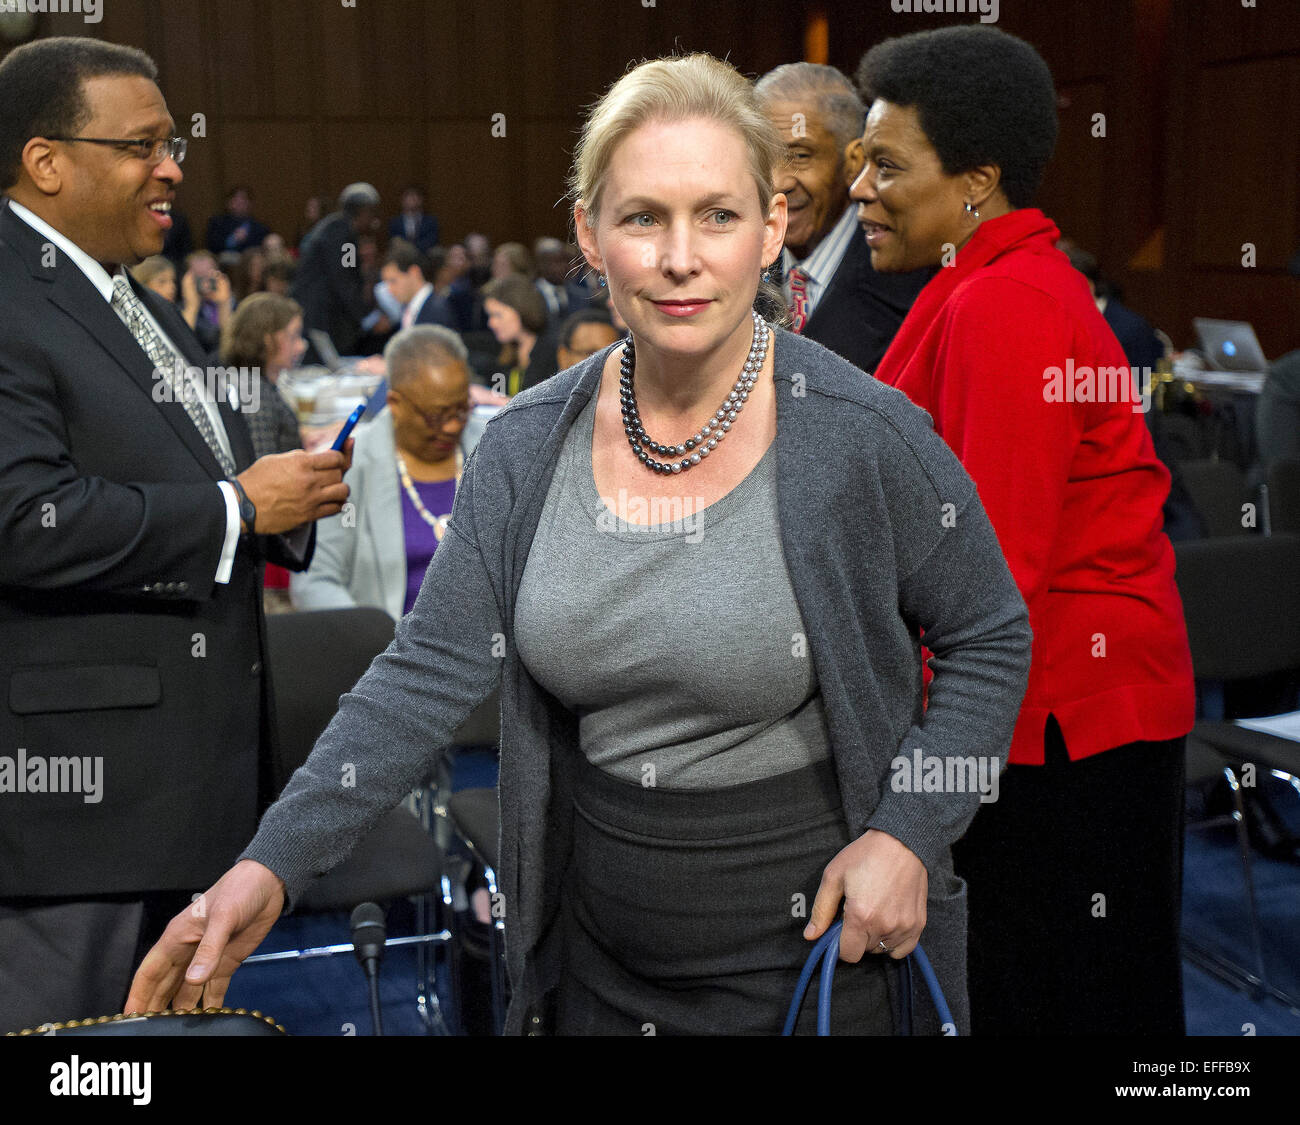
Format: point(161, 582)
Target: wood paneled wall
point(1201, 97)
point(304, 96)
point(1201, 153)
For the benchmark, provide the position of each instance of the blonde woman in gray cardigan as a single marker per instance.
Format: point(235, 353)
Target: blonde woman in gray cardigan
point(405, 467)
point(705, 624)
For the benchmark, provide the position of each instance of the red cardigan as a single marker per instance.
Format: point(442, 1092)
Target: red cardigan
point(1073, 488)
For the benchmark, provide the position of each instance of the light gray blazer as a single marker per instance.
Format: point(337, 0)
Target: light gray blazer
point(361, 553)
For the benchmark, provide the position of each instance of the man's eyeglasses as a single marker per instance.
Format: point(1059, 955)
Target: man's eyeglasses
point(155, 152)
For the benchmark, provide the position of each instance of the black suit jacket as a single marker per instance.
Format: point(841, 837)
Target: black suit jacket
point(572, 298)
point(426, 234)
point(466, 308)
point(861, 310)
point(116, 642)
point(436, 310)
point(331, 293)
point(1135, 335)
point(221, 227)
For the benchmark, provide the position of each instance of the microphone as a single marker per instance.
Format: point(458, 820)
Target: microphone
point(368, 934)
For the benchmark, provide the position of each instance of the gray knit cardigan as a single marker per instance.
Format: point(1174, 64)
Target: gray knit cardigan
point(883, 535)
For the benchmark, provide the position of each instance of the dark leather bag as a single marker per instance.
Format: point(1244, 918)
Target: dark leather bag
point(215, 1022)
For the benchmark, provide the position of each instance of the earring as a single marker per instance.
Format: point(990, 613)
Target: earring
point(600, 278)
point(972, 210)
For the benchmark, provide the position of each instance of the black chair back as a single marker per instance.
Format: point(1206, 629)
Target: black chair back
point(316, 657)
point(1218, 489)
point(1241, 599)
point(1284, 497)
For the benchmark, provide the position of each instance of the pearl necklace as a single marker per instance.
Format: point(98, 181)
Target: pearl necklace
point(713, 431)
point(438, 523)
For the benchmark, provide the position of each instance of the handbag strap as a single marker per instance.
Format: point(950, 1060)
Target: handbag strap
point(827, 951)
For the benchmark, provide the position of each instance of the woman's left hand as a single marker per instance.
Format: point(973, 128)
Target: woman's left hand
point(884, 886)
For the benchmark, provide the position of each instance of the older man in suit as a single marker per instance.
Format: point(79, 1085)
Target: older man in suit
point(835, 297)
point(134, 735)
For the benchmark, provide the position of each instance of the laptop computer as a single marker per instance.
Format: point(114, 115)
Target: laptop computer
point(328, 353)
point(1229, 345)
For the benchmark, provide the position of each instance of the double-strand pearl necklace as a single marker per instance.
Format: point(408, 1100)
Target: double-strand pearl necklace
point(712, 432)
point(439, 524)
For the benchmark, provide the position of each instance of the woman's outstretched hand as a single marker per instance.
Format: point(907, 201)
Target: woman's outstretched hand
point(884, 886)
point(226, 923)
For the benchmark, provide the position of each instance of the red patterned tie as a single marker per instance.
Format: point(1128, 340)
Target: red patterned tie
point(799, 292)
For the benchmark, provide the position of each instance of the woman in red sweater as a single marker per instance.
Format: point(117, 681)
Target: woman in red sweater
point(1075, 872)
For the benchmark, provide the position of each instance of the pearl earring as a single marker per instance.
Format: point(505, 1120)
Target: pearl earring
point(972, 210)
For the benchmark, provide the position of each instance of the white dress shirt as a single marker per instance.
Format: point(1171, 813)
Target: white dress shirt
point(821, 264)
point(415, 304)
point(100, 279)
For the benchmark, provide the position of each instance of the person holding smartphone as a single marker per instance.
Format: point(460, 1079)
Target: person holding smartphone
point(206, 301)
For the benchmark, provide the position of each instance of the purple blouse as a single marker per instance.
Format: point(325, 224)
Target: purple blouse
point(421, 539)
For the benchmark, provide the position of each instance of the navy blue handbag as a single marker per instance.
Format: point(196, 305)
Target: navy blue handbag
point(827, 950)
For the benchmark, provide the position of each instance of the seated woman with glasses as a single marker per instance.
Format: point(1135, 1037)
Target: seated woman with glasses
point(405, 468)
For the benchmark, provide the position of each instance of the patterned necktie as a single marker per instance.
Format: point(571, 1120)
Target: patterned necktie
point(128, 306)
point(799, 303)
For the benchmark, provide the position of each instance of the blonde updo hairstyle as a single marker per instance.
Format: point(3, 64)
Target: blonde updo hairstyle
point(672, 89)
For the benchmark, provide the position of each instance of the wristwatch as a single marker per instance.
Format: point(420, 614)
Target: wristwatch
point(247, 509)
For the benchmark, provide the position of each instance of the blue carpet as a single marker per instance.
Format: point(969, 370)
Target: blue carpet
point(1214, 912)
point(329, 995)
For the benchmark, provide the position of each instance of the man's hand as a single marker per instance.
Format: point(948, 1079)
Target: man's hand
point(290, 489)
point(884, 887)
point(226, 923)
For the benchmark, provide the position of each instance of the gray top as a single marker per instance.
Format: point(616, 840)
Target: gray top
point(883, 535)
point(679, 644)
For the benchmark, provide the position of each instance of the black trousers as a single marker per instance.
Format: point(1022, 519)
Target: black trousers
point(66, 959)
point(1075, 881)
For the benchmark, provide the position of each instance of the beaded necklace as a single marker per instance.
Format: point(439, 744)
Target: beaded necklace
point(713, 431)
point(438, 523)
